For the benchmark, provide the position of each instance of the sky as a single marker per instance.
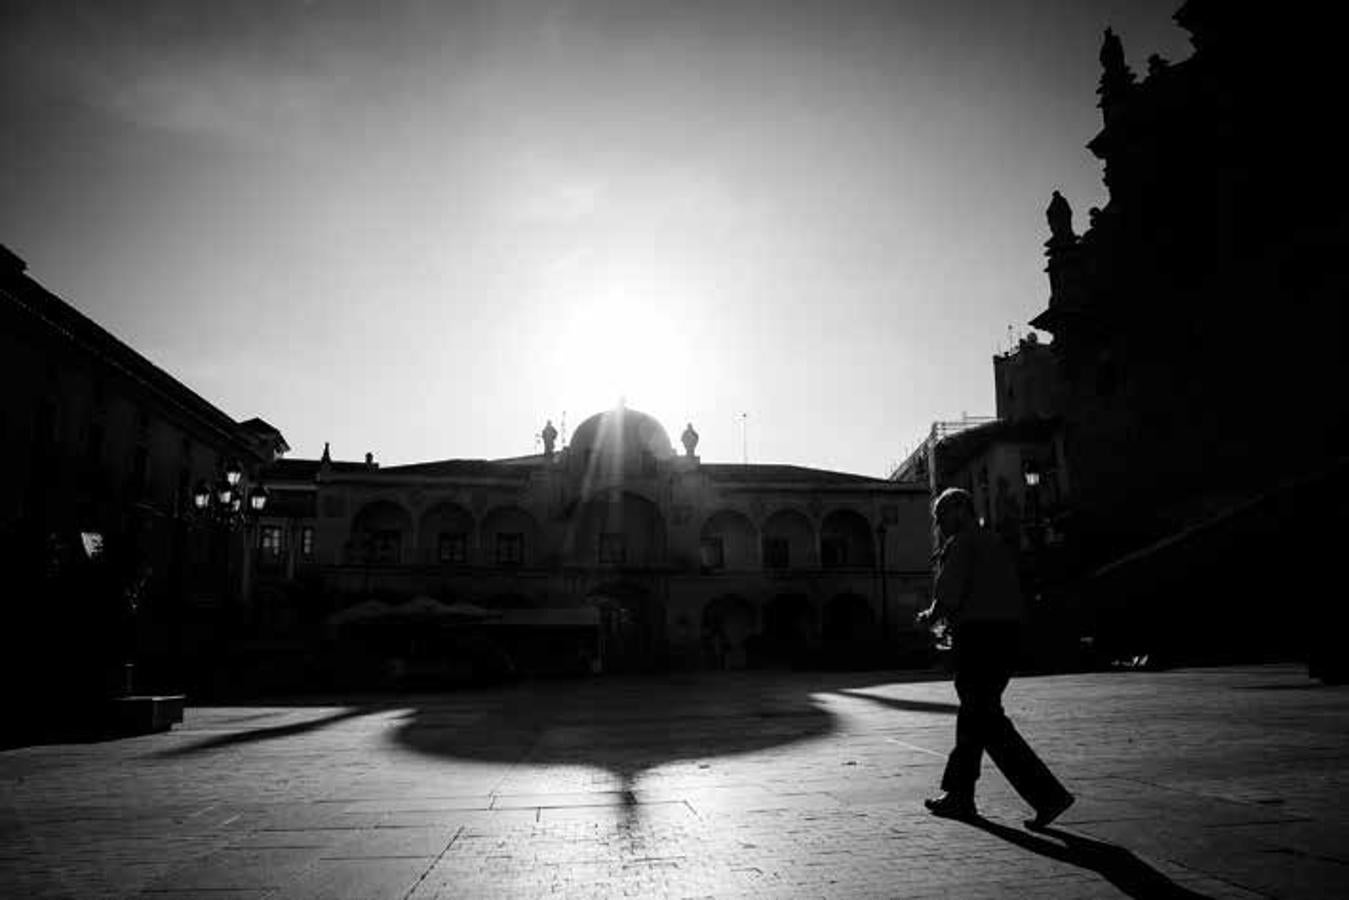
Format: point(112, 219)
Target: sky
point(421, 229)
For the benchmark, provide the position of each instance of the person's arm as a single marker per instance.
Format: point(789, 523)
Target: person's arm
point(953, 579)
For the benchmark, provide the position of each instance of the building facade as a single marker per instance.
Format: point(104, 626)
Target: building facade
point(613, 553)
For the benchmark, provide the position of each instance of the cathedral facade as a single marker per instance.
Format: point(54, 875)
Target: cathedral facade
point(613, 553)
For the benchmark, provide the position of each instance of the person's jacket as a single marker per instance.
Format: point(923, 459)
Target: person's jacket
point(977, 580)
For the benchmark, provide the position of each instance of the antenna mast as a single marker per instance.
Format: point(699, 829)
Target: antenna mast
point(744, 439)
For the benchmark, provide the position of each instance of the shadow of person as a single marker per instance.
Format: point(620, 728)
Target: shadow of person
point(1114, 863)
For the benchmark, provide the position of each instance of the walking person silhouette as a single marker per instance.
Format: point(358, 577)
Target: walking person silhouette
point(977, 594)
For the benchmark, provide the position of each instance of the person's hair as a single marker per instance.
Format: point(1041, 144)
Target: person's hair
point(957, 497)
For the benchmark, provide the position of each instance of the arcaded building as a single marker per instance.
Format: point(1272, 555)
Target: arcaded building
point(614, 552)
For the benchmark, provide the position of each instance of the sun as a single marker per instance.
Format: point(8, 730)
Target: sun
point(628, 349)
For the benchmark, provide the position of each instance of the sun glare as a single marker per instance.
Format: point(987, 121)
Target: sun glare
point(632, 350)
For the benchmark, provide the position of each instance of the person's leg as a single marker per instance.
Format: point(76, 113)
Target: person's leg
point(963, 763)
point(1008, 750)
point(1026, 772)
point(978, 686)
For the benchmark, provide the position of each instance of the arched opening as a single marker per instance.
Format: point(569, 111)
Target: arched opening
point(846, 541)
point(727, 540)
point(788, 633)
point(631, 629)
point(618, 529)
point(445, 536)
point(380, 534)
point(788, 541)
point(728, 623)
point(510, 538)
point(848, 619)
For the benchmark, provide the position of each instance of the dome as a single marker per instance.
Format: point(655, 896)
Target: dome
point(621, 431)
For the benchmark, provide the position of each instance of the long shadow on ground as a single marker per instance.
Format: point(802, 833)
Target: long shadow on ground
point(272, 732)
point(1114, 863)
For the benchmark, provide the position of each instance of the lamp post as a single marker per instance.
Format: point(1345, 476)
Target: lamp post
point(1032, 472)
point(232, 507)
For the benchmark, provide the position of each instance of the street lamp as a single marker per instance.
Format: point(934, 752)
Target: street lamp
point(224, 503)
point(1032, 473)
point(228, 505)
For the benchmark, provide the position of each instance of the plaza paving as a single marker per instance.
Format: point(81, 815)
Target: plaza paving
point(1202, 782)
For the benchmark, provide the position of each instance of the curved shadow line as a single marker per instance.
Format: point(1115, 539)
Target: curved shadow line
point(1114, 863)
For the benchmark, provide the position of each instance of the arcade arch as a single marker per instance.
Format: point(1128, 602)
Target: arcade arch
point(509, 537)
point(380, 532)
point(618, 529)
point(728, 622)
point(728, 540)
point(846, 540)
point(788, 541)
point(445, 534)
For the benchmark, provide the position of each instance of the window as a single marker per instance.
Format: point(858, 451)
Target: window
point(452, 547)
point(386, 546)
point(776, 552)
point(833, 552)
point(307, 542)
point(510, 548)
point(613, 548)
point(270, 543)
point(713, 553)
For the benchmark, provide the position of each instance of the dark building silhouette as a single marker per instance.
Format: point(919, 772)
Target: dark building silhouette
point(1199, 321)
point(104, 558)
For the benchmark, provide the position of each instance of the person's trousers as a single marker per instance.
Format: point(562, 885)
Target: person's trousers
point(985, 655)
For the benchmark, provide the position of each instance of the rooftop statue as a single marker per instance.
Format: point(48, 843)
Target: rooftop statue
point(689, 439)
point(549, 437)
point(1116, 76)
point(1060, 216)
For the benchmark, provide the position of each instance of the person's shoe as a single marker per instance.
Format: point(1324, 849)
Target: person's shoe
point(1049, 813)
point(952, 806)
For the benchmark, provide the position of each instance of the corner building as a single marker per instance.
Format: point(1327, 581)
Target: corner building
point(616, 553)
